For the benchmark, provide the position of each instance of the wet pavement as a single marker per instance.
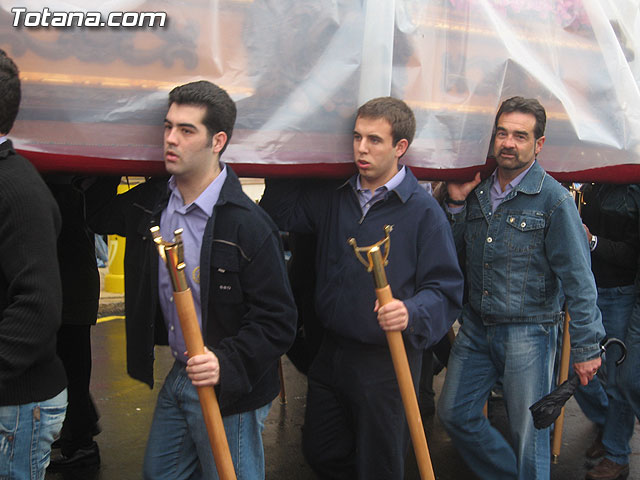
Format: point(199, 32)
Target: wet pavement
point(126, 408)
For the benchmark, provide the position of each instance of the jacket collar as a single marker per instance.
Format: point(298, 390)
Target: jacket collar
point(231, 192)
point(6, 149)
point(406, 188)
point(531, 184)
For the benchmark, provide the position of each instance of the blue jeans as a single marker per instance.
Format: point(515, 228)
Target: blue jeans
point(522, 354)
point(628, 378)
point(178, 446)
point(606, 405)
point(26, 434)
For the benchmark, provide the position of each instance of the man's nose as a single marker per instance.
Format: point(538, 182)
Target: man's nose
point(170, 136)
point(509, 141)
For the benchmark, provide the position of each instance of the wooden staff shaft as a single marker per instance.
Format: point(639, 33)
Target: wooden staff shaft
point(207, 395)
point(408, 393)
point(562, 376)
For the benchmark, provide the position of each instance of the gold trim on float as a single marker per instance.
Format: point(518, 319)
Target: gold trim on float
point(111, 82)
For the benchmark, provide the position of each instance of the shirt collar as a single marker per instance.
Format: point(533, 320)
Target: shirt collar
point(512, 184)
point(394, 182)
point(205, 201)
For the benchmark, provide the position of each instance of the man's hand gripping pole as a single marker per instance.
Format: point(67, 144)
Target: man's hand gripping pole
point(375, 262)
point(172, 255)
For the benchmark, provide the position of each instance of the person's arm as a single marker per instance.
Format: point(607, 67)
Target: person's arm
point(29, 273)
point(296, 205)
point(616, 252)
point(104, 215)
point(110, 213)
point(455, 203)
point(569, 257)
point(439, 284)
point(267, 329)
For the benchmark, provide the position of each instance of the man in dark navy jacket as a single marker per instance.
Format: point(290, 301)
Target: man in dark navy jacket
point(354, 424)
point(236, 272)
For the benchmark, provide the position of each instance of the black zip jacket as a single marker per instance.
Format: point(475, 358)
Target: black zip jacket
point(250, 316)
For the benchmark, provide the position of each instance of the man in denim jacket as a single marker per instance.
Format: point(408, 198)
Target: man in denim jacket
point(520, 238)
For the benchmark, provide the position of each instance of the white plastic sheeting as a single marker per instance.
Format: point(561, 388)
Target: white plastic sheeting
point(298, 70)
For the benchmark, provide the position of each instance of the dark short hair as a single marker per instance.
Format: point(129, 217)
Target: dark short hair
point(9, 92)
point(524, 105)
point(394, 111)
point(220, 115)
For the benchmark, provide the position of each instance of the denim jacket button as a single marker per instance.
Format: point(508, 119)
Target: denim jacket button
point(485, 293)
point(489, 239)
point(523, 224)
point(512, 219)
point(486, 265)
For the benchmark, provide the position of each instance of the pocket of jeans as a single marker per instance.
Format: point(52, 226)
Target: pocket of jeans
point(8, 426)
point(627, 290)
point(51, 419)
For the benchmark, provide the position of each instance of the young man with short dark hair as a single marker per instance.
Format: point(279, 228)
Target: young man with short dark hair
point(236, 273)
point(355, 423)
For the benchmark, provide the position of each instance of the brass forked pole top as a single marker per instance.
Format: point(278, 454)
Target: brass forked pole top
point(375, 261)
point(172, 254)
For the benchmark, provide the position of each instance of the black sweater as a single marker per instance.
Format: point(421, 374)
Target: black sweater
point(30, 292)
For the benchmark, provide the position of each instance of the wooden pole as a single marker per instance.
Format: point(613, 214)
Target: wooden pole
point(375, 263)
point(408, 393)
point(207, 395)
point(563, 374)
point(173, 256)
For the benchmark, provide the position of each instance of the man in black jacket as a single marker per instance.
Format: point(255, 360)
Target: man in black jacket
point(236, 272)
point(33, 395)
point(613, 240)
point(80, 298)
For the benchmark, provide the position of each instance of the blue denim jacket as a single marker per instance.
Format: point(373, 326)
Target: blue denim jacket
point(518, 257)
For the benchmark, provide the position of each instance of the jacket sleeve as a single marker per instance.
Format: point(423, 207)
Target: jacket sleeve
point(296, 205)
point(570, 259)
point(617, 252)
point(105, 211)
point(111, 213)
point(29, 274)
point(268, 327)
point(440, 285)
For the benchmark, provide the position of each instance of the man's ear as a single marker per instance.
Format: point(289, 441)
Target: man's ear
point(401, 147)
point(218, 142)
point(539, 143)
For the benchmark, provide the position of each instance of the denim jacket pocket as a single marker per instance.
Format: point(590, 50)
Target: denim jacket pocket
point(525, 231)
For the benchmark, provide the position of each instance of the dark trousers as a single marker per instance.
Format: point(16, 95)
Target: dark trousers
point(81, 422)
point(355, 425)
